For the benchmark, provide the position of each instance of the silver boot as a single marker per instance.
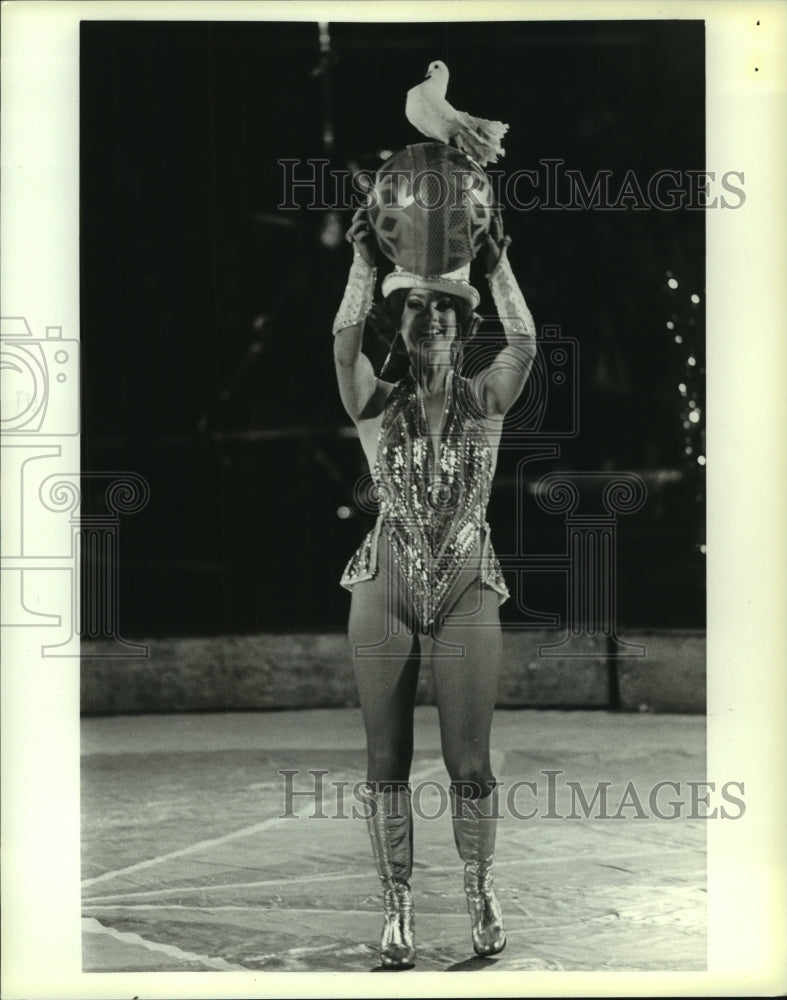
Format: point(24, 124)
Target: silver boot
point(475, 825)
point(391, 831)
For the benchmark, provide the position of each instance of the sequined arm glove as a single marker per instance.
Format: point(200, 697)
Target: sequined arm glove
point(357, 300)
point(506, 377)
point(510, 303)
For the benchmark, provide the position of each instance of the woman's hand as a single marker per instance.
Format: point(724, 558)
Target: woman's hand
point(360, 234)
point(495, 241)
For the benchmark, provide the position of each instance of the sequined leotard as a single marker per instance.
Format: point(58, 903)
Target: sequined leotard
point(432, 509)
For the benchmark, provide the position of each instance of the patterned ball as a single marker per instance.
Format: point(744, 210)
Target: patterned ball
point(431, 208)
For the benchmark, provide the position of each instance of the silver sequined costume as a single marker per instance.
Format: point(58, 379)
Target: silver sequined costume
point(432, 508)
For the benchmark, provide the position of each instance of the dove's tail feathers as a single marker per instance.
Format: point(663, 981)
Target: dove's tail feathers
point(480, 138)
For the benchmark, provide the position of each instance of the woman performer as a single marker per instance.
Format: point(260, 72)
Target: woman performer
point(426, 584)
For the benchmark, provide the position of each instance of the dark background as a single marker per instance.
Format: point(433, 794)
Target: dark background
point(207, 311)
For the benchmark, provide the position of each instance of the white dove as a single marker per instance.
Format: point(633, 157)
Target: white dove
point(432, 115)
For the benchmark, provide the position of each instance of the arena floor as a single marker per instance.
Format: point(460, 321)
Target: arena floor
point(188, 865)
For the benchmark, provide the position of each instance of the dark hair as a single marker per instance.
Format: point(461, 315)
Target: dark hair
point(385, 318)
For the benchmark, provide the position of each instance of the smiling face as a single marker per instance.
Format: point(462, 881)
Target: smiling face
point(429, 325)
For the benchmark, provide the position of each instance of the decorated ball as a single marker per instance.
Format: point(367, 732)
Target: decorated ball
point(431, 208)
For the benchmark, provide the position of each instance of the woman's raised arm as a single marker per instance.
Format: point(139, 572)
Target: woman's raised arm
point(354, 372)
point(499, 386)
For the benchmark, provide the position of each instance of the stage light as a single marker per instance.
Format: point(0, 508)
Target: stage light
point(678, 338)
point(703, 549)
point(691, 360)
point(670, 325)
point(700, 460)
point(672, 283)
point(694, 416)
point(682, 388)
point(686, 425)
point(688, 449)
point(695, 299)
point(385, 154)
point(343, 513)
point(332, 231)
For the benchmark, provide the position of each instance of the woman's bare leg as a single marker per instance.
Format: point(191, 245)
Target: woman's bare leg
point(466, 685)
point(386, 660)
